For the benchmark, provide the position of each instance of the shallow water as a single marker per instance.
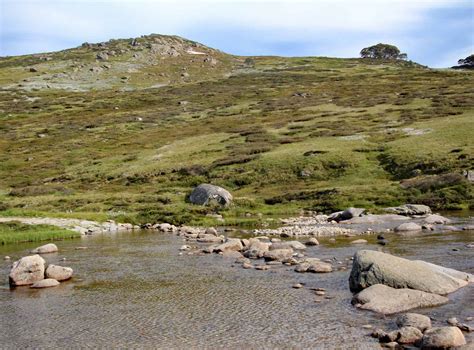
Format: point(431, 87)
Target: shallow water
point(134, 290)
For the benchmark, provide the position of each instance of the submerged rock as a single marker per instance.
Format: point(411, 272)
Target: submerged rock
point(387, 300)
point(372, 267)
point(205, 194)
point(27, 270)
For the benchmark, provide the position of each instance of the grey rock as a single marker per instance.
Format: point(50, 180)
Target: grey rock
point(443, 338)
point(359, 241)
point(205, 194)
point(256, 249)
point(45, 283)
point(436, 219)
point(408, 226)
point(372, 267)
point(103, 56)
point(278, 254)
point(27, 270)
point(296, 245)
point(59, 273)
point(419, 321)
point(232, 244)
point(347, 214)
point(45, 249)
point(312, 241)
point(410, 210)
point(387, 300)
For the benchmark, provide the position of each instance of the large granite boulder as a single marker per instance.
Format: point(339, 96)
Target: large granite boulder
point(387, 300)
point(410, 210)
point(347, 214)
point(205, 194)
point(373, 267)
point(27, 270)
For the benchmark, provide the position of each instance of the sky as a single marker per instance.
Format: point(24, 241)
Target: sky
point(432, 32)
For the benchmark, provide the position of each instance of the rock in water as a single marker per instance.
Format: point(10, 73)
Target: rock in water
point(443, 338)
point(387, 300)
point(205, 194)
point(372, 267)
point(410, 210)
point(408, 226)
point(232, 244)
point(59, 273)
point(347, 214)
point(419, 321)
point(46, 283)
point(436, 219)
point(45, 249)
point(27, 270)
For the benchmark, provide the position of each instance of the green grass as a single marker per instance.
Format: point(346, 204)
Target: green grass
point(15, 232)
point(135, 155)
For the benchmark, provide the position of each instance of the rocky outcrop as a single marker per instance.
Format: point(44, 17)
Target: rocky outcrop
point(205, 194)
point(59, 273)
point(387, 300)
point(442, 338)
point(410, 210)
point(372, 267)
point(27, 270)
point(45, 249)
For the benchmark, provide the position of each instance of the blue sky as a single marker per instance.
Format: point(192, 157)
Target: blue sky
point(433, 32)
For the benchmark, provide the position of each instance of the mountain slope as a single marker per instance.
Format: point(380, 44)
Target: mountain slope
point(282, 134)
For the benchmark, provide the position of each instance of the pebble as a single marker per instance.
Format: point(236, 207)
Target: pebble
point(246, 265)
point(367, 326)
point(185, 247)
point(6, 258)
point(329, 297)
point(320, 293)
point(81, 248)
point(319, 289)
point(297, 286)
point(262, 267)
point(455, 250)
point(469, 319)
point(63, 259)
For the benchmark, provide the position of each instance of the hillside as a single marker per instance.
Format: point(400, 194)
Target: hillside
point(125, 129)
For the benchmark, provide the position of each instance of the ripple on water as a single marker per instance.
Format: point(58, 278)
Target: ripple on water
point(135, 291)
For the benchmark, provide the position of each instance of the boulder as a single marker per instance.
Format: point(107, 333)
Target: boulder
point(232, 244)
point(296, 245)
point(347, 214)
point(312, 241)
point(205, 194)
point(373, 267)
point(211, 231)
point(59, 273)
point(256, 249)
point(207, 238)
point(419, 321)
point(443, 338)
point(410, 210)
point(408, 226)
point(408, 335)
point(387, 300)
point(27, 270)
point(45, 249)
point(314, 266)
point(436, 219)
point(46, 283)
point(278, 254)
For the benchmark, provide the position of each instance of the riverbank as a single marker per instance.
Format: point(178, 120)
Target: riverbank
point(16, 232)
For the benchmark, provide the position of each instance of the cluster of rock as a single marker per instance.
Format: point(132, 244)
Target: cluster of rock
point(32, 270)
point(415, 329)
point(84, 227)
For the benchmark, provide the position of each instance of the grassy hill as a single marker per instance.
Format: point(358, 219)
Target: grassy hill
point(127, 137)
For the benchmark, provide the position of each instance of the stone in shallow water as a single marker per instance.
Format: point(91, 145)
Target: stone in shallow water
point(387, 300)
point(443, 338)
point(45, 249)
point(372, 267)
point(408, 226)
point(27, 270)
point(46, 283)
point(59, 273)
point(419, 321)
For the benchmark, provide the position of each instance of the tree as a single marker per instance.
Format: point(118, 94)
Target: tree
point(467, 62)
point(383, 51)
